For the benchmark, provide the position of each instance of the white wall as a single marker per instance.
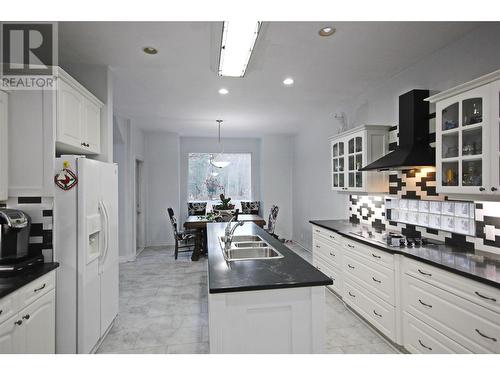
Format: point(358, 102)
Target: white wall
point(276, 180)
point(312, 195)
point(128, 147)
point(162, 187)
point(209, 145)
point(475, 54)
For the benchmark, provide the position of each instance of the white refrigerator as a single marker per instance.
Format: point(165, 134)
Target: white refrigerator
point(86, 246)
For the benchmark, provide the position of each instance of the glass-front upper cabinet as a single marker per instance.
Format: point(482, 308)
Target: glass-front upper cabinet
point(355, 161)
point(338, 164)
point(468, 138)
point(354, 149)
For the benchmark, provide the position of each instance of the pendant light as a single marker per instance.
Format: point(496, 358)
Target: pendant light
point(215, 160)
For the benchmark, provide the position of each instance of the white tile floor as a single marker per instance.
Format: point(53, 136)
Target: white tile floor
point(164, 309)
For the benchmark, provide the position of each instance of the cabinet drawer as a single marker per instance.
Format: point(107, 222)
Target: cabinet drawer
point(7, 307)
point(377, 279)
point(369, 252)
point(326, 234)
point(332, 272)
point(377, 312)
point(420, 338)
point(329, 252)
point(474, 291)
point(470, 325)
point(37, 288)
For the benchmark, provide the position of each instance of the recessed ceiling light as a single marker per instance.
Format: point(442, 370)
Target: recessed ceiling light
point(288, 81)
point(223, 91)
point(150, 50)
point(327, 31)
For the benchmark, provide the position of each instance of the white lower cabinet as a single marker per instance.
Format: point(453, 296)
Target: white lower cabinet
point(274, 321)
point(463, 321)
point(379, 313)
point(420, 338)
point(424, 308)
point(10, 337)
point(28, 326)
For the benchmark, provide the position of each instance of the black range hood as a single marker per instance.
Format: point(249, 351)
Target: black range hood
point(413, 149)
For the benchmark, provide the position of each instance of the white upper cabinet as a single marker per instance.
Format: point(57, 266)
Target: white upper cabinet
point(467, 137)
point(69, 115)
point(78, 118)
point(354, 149)
point(4, 152)
point(92, 126)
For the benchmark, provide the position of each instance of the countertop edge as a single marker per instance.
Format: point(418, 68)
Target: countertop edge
point(268, 287)
point(412, 256)
point(20, 280)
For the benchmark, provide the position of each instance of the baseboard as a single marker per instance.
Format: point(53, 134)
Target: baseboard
point(140, 250)
point(127, 258)
point(302, 246)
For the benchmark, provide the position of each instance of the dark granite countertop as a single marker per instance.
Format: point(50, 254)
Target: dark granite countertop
point(12, 283)
point(477, 265)
point(291, 271)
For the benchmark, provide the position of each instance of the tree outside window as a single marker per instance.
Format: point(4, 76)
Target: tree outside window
point(206, 183)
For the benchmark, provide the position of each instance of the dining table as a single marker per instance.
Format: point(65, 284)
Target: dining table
point(199, 223)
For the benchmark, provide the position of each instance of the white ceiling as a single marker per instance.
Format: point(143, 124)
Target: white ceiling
point(177, 89)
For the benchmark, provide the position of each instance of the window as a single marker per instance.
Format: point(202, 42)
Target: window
point(206, 183)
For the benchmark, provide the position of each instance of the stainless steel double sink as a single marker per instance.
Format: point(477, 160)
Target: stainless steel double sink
point(248, 247)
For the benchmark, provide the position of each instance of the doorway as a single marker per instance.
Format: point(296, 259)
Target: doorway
point(139, 205)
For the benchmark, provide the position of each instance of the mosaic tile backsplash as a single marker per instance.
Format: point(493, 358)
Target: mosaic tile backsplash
point(371, 210)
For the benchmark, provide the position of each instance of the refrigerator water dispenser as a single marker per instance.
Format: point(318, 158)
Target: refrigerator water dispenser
point(94, 231)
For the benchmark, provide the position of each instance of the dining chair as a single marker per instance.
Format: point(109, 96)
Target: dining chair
point(251, 208)
point(271, 224)
point(197, 208)
point(183, 239)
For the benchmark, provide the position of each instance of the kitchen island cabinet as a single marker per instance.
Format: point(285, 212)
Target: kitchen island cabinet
point(264, 306)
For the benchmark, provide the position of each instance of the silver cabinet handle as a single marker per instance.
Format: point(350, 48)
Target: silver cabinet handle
point(486, 337)
point(351, 246)
point(332, 254)
point(351, 267)
point(332, 237)
point(377, 281)
point(376, 313)
point(38, 289)
point(18, 322)
point(480, 295)
point(376, 256)
point(317, 230)
point(424, 346)
point(425, 304)
point(424, 273)
point(352, 295)
point(26, 317)
point(318, 246)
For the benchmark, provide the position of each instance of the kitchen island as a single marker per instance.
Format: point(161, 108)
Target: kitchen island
point(273, 305)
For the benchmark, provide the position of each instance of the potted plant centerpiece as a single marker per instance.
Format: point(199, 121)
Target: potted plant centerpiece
point(224, 206)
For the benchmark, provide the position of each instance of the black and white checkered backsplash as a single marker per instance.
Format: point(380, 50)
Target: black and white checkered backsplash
point(40, 211)
point(370, 209)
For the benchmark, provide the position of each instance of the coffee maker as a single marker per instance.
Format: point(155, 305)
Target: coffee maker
point(14, 235)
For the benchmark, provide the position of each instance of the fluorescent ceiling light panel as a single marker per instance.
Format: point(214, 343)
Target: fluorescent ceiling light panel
point(238, 41)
